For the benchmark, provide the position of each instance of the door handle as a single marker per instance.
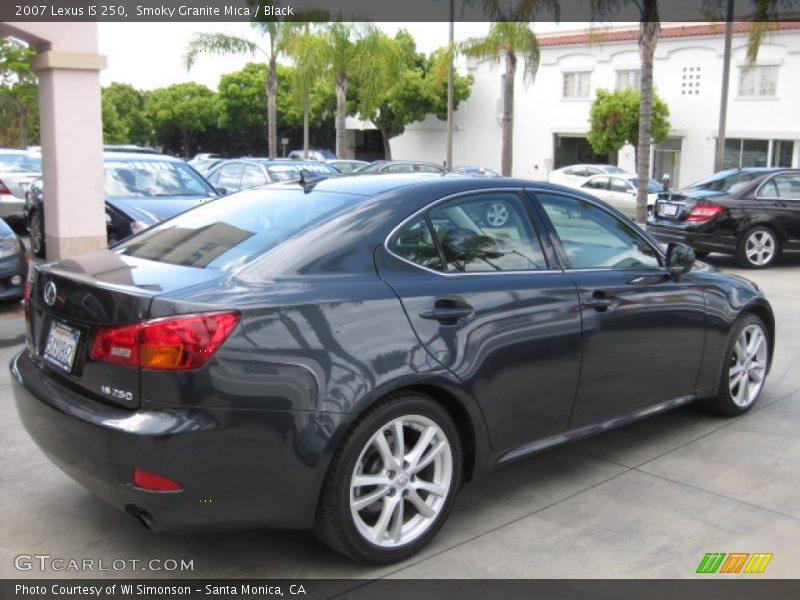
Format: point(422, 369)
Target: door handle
point(600, 302)
point(447, 312)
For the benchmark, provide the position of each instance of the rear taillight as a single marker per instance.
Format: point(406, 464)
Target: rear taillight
point(703, 212)
point(26, 299)
point(4, 188)
point(171, 343)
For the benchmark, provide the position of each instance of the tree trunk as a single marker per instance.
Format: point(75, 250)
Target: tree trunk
point(648, 37)
point(341, 115)
point(272, 111)
point(387, 148)
point(507, 156)
point(306, 111)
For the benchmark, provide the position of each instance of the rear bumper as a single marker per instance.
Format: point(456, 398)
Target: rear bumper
point(238, 468)
point(11, 206)
point(704, 242)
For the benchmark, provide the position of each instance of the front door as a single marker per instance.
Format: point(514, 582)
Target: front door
point(643, 330)
point(479, 291)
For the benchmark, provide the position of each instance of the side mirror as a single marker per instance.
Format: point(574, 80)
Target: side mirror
point(222, 191)
point(680, 258)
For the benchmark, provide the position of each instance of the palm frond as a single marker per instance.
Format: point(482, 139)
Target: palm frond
point(218, 44)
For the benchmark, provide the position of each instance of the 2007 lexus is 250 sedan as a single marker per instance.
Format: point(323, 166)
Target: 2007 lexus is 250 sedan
point(343, 354)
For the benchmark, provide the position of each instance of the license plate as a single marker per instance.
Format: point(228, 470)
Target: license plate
point(62, 342)
point(667, 210)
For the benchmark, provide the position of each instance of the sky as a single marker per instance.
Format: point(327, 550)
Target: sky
point(149, 55)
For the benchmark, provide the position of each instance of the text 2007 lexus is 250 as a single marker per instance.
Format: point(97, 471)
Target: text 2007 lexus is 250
point(343, 354)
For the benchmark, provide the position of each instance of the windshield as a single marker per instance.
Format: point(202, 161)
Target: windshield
point(724, 182)
point(227, 233)
point(653, 187)
point(20, 163)
point(149, 178)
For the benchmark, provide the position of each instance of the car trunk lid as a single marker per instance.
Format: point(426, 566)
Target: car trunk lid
point(71, 299)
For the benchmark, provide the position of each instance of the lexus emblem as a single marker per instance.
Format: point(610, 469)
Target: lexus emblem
point(50, 293)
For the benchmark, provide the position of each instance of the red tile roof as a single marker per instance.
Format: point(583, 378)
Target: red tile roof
point(625, 35)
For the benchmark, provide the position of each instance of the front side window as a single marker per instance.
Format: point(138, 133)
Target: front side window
point(576, 84)
point(230, 176)
point(758, 81)
point(252, 177)
point(595, 239)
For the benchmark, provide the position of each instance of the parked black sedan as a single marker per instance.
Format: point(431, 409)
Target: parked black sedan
point(13, 263)
point(343, 353)
point(756, 219)
point(141, 189)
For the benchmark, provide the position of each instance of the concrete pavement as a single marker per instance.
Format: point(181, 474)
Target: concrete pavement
point(647, 500)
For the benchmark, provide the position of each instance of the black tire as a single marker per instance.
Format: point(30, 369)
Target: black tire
point(748, 254)
point(724, 403)
point(335, 524)
point(36, 228)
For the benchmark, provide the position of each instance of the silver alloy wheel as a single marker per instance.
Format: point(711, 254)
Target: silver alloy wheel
point(401, 481)
point(748, 365)
point(497, 214)
point(760, 247)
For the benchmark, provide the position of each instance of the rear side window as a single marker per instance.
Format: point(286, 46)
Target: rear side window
point(597, 183)
point(479, 233)
point(227, 233)
point(785, 185)
point(415, 243)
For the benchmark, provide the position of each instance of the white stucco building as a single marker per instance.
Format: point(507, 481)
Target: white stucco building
point(551, 115)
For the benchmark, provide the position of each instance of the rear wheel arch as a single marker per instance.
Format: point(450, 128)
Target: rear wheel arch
point(763, 313)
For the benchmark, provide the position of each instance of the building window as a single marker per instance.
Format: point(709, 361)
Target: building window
point(741, 153)
point(576, 84)
point(690, 81)
point(758, 81)
point(628, 78)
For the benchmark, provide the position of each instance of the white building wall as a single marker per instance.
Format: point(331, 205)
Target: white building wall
point(541, 112)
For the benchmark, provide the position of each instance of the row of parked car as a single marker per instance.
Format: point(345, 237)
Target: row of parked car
point(752, 213)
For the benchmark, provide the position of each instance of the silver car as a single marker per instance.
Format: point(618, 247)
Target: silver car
point(18, 168)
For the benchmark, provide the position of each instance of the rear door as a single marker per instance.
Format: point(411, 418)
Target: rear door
point(643, 330)
point(489, 304)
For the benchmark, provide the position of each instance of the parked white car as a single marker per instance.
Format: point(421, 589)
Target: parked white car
point(18, 168)
point(574, 175)
point(620, 191)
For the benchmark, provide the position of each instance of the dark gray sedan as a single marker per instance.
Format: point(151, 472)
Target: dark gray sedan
point(343, 354)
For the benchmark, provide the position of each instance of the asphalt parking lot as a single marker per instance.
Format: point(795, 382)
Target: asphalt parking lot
point(648, 500)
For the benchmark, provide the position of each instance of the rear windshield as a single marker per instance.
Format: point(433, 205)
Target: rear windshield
point(152, 178)
point(725, 182)
point(20, 163)
point(229, 232)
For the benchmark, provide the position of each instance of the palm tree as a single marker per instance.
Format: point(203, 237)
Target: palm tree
point(509, 41)
point(359, 50)
point(221, 44)
point(306, 49)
